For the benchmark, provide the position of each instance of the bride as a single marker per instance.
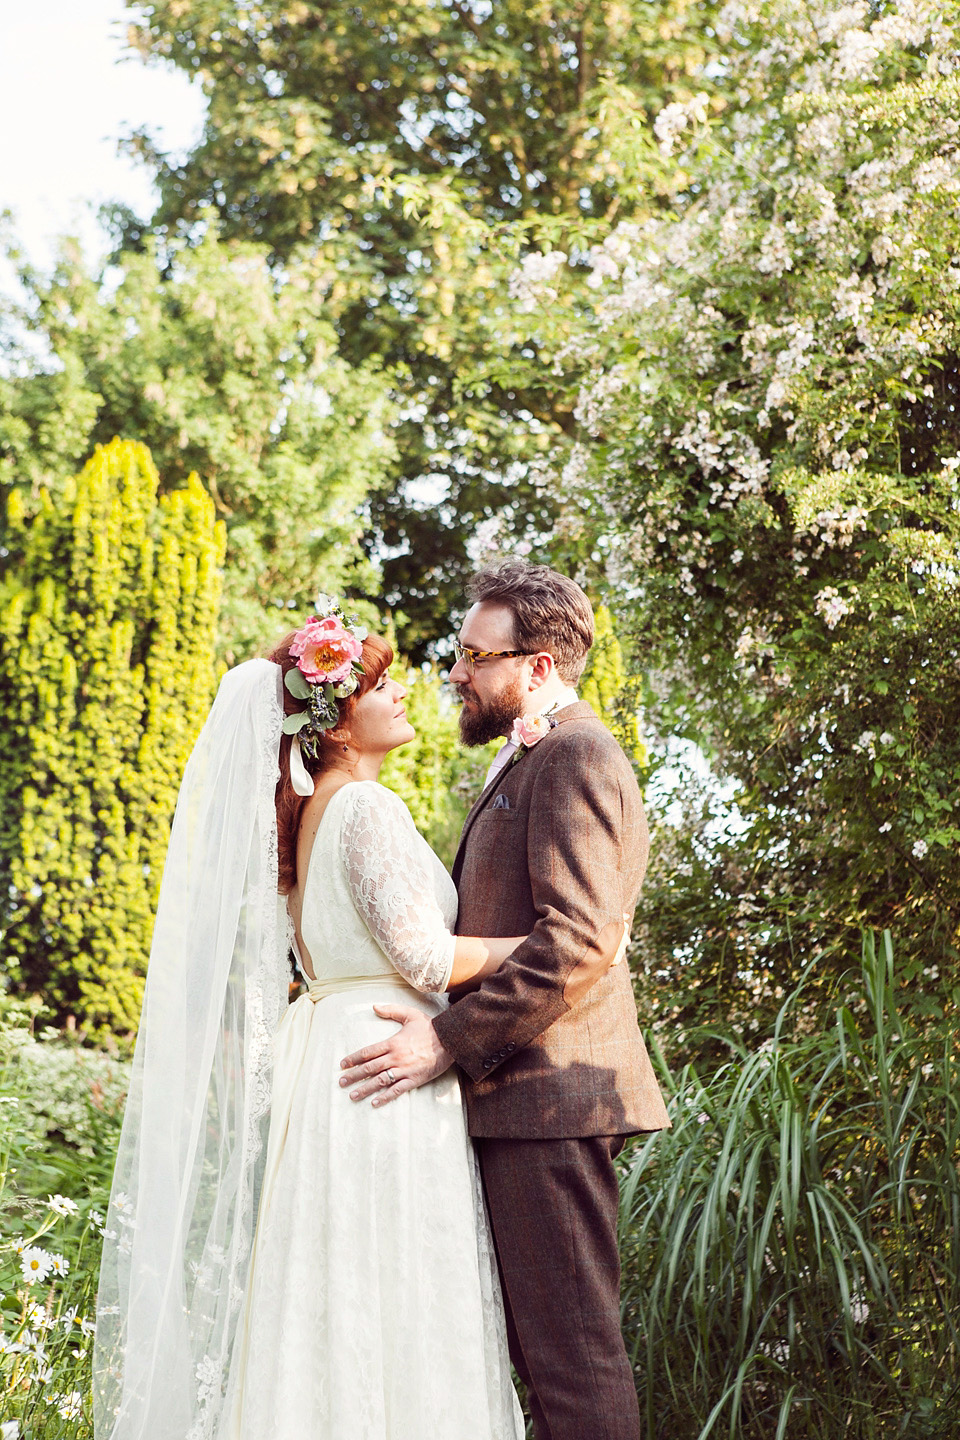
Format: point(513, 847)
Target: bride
point(338, 1280)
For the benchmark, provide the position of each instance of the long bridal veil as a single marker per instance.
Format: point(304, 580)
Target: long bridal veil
point(183, 1205)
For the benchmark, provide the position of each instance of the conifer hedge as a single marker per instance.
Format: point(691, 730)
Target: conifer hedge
point(109, 597)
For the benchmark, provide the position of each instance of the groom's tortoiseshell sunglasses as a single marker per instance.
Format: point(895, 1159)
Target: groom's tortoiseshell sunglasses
point(470, 657)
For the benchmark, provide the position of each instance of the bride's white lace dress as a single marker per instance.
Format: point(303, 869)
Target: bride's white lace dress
point(373, 1309)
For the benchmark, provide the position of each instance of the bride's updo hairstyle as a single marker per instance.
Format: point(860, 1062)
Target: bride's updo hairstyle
point(376, 657)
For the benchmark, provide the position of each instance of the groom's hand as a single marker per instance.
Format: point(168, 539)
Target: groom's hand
point(410, 1057)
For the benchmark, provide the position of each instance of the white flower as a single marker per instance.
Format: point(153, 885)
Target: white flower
point(853, 298)
point(670, 123)
point(59, 1265)
point(775, 253)
point(885, 827)
point(935, 174)
point(675, 117)
point(10, 1430)
point(62, 1205)
point(530, 283)
point(883, 249)
point(603, 267)
point(859, 1309)
point(69, 1407)
point(857, 54)
point(920, 848)
point(35, 1263)
point(829, 604)
point(38, 1317)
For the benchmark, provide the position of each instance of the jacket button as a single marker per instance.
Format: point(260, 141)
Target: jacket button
point(487, 1064)
point(511, 1046)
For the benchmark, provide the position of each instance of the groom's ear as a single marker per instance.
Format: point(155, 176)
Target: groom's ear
point(543, 667)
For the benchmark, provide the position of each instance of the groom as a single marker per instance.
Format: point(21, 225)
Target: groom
point(554, 1068)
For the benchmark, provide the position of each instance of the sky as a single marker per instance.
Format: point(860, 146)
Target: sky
point(68, 90)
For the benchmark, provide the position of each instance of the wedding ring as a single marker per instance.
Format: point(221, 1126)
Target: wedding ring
point(390, 1076)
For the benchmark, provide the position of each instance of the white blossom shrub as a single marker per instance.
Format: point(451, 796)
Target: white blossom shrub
point(764, 359)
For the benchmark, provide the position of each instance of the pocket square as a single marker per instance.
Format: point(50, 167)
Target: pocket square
point(501, 803)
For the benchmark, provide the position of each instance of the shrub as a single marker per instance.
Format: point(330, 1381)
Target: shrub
point(108, 601)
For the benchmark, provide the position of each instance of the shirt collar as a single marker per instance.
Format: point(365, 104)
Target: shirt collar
point(567, 696)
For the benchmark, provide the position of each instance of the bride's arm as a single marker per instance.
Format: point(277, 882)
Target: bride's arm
point(476, 957)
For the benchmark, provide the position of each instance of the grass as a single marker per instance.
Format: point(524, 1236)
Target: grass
point(791, 1248)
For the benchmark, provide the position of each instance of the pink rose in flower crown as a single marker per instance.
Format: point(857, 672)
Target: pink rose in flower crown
point(325, 650)
point(528, 729)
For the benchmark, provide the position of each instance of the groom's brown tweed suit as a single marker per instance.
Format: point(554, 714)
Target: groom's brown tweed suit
point(555, 1067)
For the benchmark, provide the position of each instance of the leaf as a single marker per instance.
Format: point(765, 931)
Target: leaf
point(296, 684)
point(293, 724)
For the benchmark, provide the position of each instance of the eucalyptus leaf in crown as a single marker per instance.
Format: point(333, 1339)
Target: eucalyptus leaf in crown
point(327, 651)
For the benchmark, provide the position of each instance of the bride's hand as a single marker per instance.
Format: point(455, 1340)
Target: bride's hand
point(410, 1057)
point(624, 941)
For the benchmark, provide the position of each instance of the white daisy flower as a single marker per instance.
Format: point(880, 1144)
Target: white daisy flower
point(70, 1407)
point(35, 1263)
point(62, 1205)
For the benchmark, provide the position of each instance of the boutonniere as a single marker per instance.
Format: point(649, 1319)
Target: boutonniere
point(529, 731)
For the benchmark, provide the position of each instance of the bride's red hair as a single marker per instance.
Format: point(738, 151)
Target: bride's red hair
point(376, 657)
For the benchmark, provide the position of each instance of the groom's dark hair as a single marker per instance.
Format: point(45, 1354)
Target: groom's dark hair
point(550, 611)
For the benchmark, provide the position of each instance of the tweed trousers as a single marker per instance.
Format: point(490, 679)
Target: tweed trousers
point(553, 1210)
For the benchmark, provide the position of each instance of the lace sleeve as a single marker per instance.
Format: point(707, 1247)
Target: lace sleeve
point(392, 888)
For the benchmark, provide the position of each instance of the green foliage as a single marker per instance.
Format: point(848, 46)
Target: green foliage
point(329, 125)
point(764, 377)
point(107, 612)
point(791, 1248)
point(60, 1110)
point(222, 368)
point(606, 686)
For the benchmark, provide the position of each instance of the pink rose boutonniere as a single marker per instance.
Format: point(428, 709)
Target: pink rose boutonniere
point(529, 730)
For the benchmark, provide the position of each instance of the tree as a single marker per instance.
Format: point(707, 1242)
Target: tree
point(613, 694)
point(224, 369)
point(765, 380)
point(326, 122)
point(108, 608)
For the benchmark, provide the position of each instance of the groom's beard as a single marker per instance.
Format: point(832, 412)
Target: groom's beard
point(482, 721)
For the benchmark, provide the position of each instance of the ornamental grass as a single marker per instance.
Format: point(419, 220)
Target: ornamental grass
point(791, 1249)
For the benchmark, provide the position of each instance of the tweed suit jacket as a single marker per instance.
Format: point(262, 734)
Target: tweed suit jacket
point(556, 846)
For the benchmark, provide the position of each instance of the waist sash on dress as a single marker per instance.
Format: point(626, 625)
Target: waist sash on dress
point(320, 989)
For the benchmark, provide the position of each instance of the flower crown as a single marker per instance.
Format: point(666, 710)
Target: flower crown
point(328, 669)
